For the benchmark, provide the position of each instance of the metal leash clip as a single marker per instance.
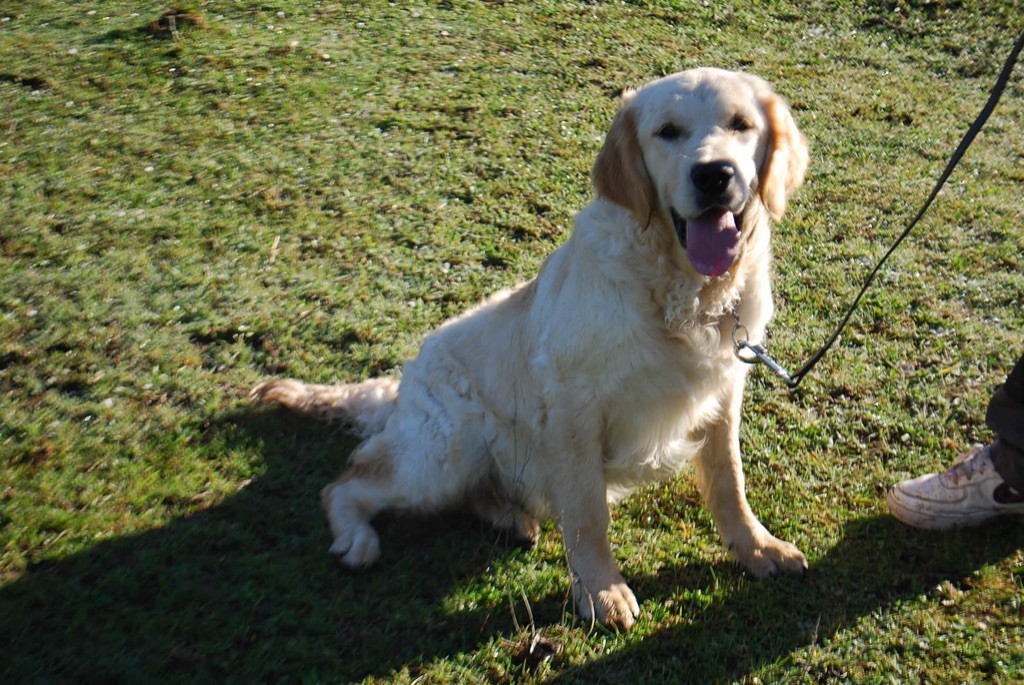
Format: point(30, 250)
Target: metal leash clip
point(742, 344)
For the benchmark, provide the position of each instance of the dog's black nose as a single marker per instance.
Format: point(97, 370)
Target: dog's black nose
point(712, 178)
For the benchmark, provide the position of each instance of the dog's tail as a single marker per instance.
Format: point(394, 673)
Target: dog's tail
point(364, 406)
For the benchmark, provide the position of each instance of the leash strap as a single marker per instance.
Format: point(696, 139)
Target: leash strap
point(753, 353)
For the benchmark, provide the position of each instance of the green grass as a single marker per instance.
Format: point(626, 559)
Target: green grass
point(307, 188)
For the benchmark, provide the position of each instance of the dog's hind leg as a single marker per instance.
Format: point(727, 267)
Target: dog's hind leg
point(365, 489)
point(505, 516)
point(389, 473)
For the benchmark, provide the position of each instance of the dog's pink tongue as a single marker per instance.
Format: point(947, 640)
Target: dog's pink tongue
point(711, 241)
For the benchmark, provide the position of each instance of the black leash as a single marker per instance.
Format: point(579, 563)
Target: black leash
point(760, 353)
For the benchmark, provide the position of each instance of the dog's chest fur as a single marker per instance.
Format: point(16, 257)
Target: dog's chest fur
point(654, 361)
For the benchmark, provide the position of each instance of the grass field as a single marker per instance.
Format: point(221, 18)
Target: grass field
point(305, 188)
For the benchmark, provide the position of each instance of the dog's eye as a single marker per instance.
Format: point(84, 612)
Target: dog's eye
point(740, 124)
point(669, 132)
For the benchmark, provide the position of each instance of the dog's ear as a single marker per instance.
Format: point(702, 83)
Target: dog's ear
point(619, 172)
point(785, 160)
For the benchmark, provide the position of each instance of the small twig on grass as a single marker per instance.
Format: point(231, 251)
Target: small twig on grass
point(538, 649)
point(303, 315)
point(274, 250)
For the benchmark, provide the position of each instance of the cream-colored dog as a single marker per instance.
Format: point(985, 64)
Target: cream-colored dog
point(611, 369)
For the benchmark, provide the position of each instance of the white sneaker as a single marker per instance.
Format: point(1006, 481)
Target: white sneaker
point(969, 494)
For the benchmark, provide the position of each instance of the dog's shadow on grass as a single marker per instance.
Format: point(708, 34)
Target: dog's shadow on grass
point(878, 563)
point(245, 591)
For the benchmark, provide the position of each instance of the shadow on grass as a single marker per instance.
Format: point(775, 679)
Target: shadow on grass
point(244, 591)
point(877, 563)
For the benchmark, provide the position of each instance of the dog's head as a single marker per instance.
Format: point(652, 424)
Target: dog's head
point(694, 150)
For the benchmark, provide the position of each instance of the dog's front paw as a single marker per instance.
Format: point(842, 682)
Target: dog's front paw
point(764, 555)
point(357, 548)
point(613, 606)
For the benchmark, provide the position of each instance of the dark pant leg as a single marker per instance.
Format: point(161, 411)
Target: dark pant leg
point(1005, 417)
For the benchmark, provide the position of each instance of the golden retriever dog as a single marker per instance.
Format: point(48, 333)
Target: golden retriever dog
point(613, 368)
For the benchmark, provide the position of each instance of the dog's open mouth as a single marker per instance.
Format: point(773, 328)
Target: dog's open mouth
point(711, 240)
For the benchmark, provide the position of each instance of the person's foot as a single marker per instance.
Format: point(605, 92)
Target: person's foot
point(969, 494)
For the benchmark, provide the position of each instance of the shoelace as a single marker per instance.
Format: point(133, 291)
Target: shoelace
point(972, 462)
